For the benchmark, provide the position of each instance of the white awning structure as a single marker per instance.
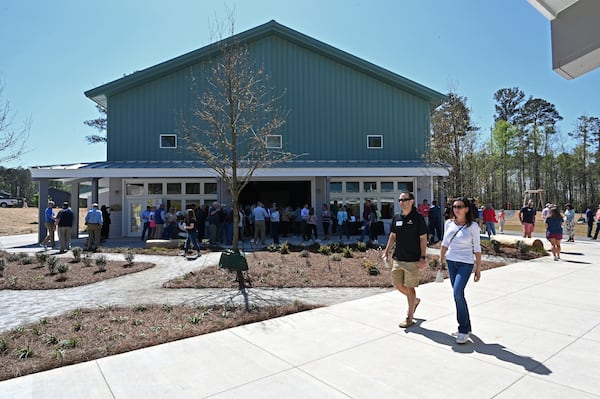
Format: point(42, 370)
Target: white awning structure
point(575, 26)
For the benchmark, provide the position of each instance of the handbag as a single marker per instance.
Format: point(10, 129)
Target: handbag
point(439, 277)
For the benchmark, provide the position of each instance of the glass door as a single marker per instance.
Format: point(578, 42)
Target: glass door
point(134, 223)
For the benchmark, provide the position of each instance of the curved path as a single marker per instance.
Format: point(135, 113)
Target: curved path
point(145, 287)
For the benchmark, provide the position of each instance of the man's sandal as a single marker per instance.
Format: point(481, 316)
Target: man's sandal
point(406, 323)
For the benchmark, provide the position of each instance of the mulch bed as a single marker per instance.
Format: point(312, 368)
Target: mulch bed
point(24, 272)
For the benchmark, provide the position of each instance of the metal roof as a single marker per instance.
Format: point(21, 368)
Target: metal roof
point(101, 93)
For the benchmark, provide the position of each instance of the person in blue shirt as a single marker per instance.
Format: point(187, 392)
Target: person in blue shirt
point(93, 220)
point(554, 231)
point(50, 223)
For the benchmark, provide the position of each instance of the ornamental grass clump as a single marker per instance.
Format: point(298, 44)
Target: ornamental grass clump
point(347, 252)
point(77, 251)
point(52, 264)
point(129, 257)
point(496, 245)
point(370, 266)
point(101, 263)
point(284, 248)
point(41, 257)
point(62, 268)
point(325, 250)
point(87, 260)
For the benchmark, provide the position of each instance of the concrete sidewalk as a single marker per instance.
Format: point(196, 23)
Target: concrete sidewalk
point(536, 333)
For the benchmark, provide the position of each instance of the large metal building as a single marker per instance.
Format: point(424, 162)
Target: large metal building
point(363, 132)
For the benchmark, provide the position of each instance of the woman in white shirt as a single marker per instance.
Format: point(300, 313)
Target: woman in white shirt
point(461, 241)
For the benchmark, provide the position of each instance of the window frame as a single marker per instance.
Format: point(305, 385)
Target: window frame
point(373, 136)
point(166, 135)
point(271, 136)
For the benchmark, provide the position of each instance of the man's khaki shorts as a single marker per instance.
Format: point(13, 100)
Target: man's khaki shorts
point(405, 273)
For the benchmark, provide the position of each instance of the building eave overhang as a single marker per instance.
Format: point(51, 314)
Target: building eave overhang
point(196, 170)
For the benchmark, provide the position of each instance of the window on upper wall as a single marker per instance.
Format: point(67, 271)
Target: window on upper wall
point(352, 187)
point(192, 188)
point(173, 188)
point(374, 141)
point(335, 187)
point(274, 141)
point(210, 188)
point(405, 186)
point(369, 187)
point(168, 141)
point(387, 186)
point(155, 188)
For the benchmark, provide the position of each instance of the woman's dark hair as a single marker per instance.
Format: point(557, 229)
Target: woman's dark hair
point(469, 214)
point(555, 213)
point(190, 217)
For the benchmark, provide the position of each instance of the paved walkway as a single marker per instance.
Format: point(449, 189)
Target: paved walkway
point(536, 335)
point(145, 287)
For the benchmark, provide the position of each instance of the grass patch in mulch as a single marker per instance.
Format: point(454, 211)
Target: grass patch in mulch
point(88, 334)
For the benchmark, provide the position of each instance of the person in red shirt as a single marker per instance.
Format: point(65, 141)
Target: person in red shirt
point(489, 218)
point(423, 209)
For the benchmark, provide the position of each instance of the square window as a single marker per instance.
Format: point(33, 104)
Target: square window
point(375, 141)
point(274, 141)
point(405, 186)
point(134, 189)
point(352, 187)
point(369, 187)
point(210, 188)
point(387, 186)
point(155, 188)
point(168, 141)
point(192, 188)
point(173, 188)
point(335, 187)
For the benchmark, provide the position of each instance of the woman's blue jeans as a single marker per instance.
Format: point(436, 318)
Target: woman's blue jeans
point(192, 239)
point(459, 273)
point(491, 228)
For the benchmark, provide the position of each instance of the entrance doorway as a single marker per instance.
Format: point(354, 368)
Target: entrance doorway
point(293, 193)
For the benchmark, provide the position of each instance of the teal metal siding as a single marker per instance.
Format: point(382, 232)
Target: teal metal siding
point(332, 108)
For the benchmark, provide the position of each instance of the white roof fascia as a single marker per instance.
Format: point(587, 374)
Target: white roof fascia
point(51, 173)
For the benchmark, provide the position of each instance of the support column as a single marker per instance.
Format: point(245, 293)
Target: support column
point(75, 208)
point(95, 181)
point(42, 205)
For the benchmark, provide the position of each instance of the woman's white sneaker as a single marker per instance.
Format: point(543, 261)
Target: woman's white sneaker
point(462, 338)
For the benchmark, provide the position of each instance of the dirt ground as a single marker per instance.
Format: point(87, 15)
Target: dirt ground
point(24, 220)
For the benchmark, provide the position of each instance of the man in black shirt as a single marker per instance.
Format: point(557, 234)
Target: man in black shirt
point(527, 218)
point(408, 234)
point(64, 220)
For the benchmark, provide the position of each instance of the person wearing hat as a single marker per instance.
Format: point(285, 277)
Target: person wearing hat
point(49, 222)
point(93, 220)
point(546, 212)
point(64, 221)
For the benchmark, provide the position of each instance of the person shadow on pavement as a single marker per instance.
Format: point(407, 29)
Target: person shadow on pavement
point(477, 345)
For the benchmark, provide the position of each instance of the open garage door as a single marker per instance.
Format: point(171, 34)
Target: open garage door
point(294, 193)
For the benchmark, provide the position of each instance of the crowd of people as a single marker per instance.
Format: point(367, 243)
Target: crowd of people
point(257, 221)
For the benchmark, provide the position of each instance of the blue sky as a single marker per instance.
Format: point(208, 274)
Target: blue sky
point(52, 52)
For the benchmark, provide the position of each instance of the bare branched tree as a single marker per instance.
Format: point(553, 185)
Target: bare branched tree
point(234, 117)
point(12, 138)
